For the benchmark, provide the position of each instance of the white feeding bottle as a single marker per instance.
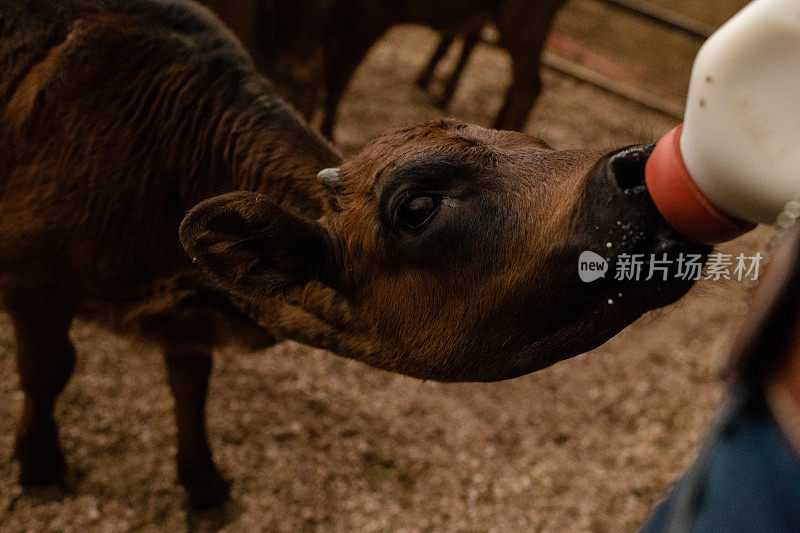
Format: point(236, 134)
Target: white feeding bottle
point(735, 161)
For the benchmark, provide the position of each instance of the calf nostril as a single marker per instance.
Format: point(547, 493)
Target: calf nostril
point(627, 166)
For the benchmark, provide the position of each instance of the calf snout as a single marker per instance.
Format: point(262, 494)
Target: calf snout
point(626, 168)
point(618, 221)
point(618, 214)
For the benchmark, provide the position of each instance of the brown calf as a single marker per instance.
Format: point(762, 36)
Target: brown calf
point(314, 47)
point(444, 251)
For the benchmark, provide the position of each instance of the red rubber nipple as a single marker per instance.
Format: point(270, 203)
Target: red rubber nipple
point(681, 202)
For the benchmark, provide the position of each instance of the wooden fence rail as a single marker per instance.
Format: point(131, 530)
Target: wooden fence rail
point(662, 16)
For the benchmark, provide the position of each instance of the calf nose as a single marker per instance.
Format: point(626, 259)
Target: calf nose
point(627, 167)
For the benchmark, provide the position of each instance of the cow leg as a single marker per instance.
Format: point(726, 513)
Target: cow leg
point(338, 74)
point(45, 361)
point(523, 30)
point(424, 79)
point(337, 84)
point(526, 85)
point(470, 40)
point(188, 371)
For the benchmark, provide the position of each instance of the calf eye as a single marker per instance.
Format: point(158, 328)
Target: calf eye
point(415, 211)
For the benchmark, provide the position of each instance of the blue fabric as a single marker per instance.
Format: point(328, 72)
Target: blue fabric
point(747, 479)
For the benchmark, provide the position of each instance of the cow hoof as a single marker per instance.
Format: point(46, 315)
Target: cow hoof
point(43, 475)
point(41, 462)
point(215, 492)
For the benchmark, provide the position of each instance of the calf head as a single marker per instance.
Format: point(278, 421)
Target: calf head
point(447, 251)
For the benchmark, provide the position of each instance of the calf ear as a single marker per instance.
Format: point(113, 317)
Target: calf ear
point(255, 248)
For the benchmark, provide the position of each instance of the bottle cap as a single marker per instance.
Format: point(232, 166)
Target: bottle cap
point(681, 202)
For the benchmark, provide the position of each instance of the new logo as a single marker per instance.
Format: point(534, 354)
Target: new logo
point(591, 266)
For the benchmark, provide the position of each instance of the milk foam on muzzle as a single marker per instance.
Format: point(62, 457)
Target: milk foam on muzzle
point(735, 161)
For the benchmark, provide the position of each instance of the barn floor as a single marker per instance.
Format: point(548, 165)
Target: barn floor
point(315, 442)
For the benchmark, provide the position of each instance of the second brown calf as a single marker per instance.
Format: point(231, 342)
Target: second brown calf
point(312, 48)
